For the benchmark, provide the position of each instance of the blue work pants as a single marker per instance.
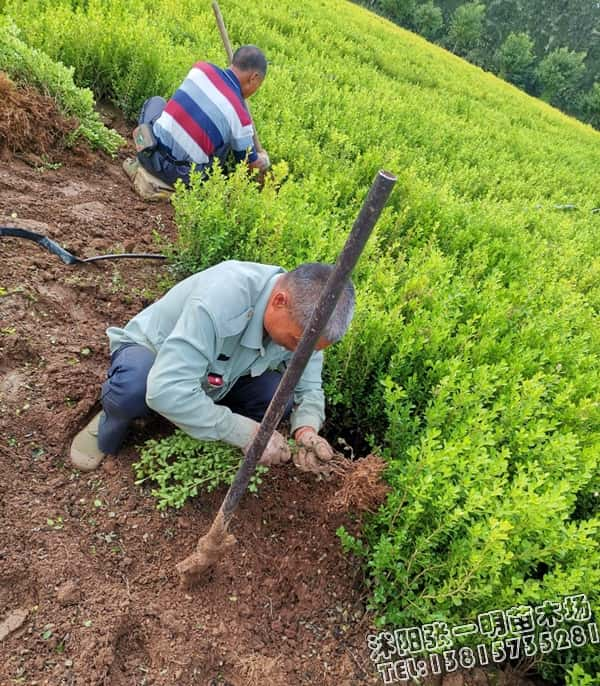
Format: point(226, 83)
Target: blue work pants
point(124, 395)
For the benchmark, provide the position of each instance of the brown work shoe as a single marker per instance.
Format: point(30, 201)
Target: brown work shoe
point(150, 187)
point(146, 185)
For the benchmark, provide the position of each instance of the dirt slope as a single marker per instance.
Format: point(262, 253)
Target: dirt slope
point(87, 556)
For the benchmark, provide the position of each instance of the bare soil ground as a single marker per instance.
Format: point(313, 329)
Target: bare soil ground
point(87, 558)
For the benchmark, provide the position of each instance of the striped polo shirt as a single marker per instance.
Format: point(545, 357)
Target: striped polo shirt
point(206, 117)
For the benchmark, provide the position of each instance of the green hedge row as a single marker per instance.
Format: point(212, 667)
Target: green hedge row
point(26, 64)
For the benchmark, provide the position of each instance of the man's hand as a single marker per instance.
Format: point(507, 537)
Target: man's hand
point(314, 451)
point(262, 162)
point(276, 452)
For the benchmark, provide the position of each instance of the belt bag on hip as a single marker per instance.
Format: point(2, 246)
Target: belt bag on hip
point(144, 138)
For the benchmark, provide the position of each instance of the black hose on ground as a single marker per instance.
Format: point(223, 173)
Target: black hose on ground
point(65, 255)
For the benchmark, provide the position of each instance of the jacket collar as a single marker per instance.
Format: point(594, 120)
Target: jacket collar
point(235, 82)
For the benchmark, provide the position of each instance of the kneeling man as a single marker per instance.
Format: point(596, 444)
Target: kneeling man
point(209, 355)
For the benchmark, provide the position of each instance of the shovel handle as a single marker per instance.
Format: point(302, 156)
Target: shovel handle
point(227, 45)
point(369, 213)
point(223, 30)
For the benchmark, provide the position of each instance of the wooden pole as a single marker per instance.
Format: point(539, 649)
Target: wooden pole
point(212, 546)
point(227, 45)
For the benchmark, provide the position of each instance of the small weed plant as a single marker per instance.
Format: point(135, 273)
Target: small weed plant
point(182, 467)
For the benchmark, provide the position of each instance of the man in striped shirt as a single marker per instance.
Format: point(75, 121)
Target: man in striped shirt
point(205, 119)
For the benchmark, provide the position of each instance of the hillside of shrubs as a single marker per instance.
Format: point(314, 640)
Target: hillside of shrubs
point(472, 364)
point(549, 49)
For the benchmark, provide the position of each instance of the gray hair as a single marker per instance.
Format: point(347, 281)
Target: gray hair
point(305, 284)
point(250, 58)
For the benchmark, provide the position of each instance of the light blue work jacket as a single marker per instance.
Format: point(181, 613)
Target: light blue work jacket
point(212, 324)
